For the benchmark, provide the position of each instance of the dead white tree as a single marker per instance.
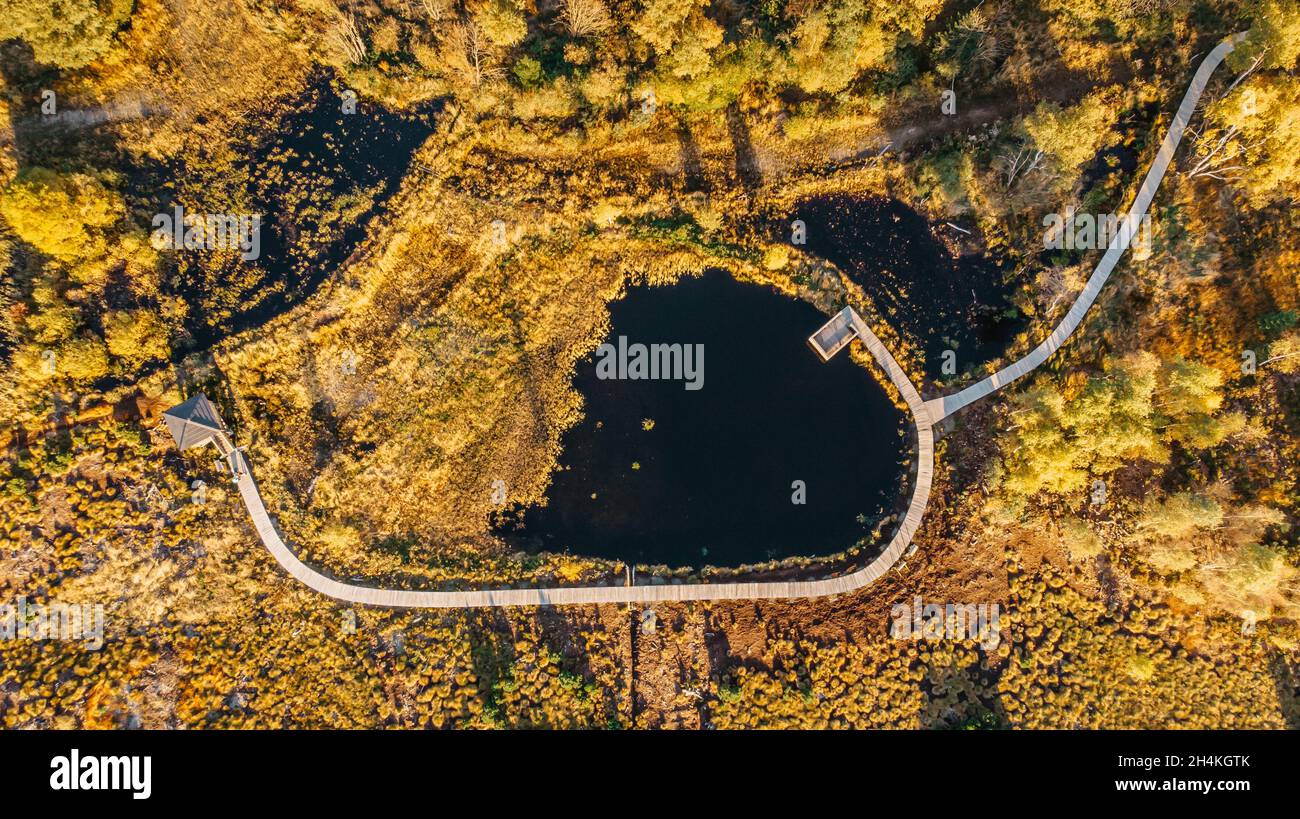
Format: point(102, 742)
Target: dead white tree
point(1222, 160)
point(465, 50)
point(585, 18)
point(349, 38)
point(1026, 161)
point(436, 10)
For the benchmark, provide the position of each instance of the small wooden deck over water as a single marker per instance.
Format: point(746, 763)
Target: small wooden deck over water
point(834, 335)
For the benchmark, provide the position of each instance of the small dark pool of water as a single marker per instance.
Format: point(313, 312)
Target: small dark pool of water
point(658, 474)
point(317, 176)
point(944, 302)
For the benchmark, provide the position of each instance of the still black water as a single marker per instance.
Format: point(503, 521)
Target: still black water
point(316, 175)
point(658, 474)
point(943, 301)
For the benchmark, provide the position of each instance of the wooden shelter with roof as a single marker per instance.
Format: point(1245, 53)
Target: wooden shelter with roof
point(196, 422)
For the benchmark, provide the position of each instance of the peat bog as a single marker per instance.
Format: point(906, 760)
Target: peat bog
point(942, 301)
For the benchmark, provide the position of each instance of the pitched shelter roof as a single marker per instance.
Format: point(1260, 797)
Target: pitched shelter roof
point(194, 422)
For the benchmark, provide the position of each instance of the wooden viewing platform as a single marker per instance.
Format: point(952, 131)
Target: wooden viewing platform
point(834, 335)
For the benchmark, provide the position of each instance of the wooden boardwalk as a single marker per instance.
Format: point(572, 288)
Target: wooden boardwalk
point(941, 408)
point(833, 336)
point(639, 593)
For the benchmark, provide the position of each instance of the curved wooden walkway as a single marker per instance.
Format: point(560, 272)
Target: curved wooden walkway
point(924, 415)
point(528, 596)
point(941, 408)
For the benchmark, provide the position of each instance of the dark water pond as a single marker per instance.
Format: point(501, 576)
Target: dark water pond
point(656, 473)
point(317, 176)
point(940, 300)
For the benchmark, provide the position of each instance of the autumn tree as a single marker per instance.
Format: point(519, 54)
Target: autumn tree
point(1189, 399)
point(831, 44)
point(64, 33)
point(731, 69)
point(1134, 410)
point(1284, 354)
point(1274, 37)
point(1112, 420)
point(1252, 139)
point(1166, 530)
point(1039, 459)
point(680, 33)
point(1178, 516)
point(969, 42)
point(834, 42)
point(52, 320)
point(1074, 135)
point(502, 22)
point(82, 359)
point(67, 216)
point(1251, 577)
point(135, 337)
